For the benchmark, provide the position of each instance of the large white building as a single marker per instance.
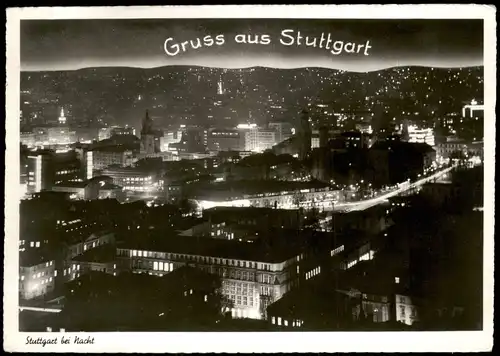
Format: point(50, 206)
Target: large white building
point(258, 140)
point(36, 275)
point(473, 109)
point(250, 283)
point(419, 135)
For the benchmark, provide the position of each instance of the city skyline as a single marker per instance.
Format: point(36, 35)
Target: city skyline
point(48, 45)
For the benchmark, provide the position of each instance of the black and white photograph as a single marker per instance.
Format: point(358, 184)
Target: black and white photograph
point(250, 176)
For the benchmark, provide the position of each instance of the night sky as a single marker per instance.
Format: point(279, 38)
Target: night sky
point(75, 44)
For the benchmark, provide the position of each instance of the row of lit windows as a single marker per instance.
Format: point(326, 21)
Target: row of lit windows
point(313, 273)
point(160, 266)
point(243, 300)
point(40, 274)
point(336, 250)
point(238, 288)
point(64, 223)
point(137, 179)
point(202, 259)
point(133, 187)
point(278, 321)
point(66, 172)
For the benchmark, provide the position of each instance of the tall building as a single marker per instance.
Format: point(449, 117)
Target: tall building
point(220, 88)
point(148, 136)
point(46, 168)
point(62, 118)
point(304, 135)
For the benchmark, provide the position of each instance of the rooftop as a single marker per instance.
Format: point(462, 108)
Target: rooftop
point(204, 246)
point(220, 214)
point(34, 256)
point(71, 185)
point(102, 254)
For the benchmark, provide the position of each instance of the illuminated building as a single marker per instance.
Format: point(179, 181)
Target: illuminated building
point(406, 311)
point(117, 130)
point(39, 173)
point(259, 140)
point(60, 135)
point(46, 168)
point(103, 157)
point(132, 179)
point(81, 237)
point(192, 141)
point(104, 133)
point(287, 196)
point(225, 140)
point(168, 138)
point(36, 274)
point(417, 135)
point(468, 111)
point(62, 118)
point(108, 132)
point(220, 88)
point(89, 164)
point(252, 277)
point(469, 149)
point(102, 258)
point(95, 188)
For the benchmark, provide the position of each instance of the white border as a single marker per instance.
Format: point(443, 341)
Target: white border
point(246, 342)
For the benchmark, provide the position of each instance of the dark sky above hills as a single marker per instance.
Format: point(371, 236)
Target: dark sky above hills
point(75, 44)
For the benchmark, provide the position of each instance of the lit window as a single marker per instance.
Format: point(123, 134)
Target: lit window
point(22, 278)
point(279, 321)
point(396, 279)
point(155, 266)
point(55, 273)
point(171, 267)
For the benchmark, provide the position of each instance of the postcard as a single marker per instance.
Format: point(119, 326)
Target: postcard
point(250, 178)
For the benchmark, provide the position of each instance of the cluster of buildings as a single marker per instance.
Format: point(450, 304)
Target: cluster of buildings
point(271, 268)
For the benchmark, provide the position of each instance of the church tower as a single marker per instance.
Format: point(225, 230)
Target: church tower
point(147, 135)
point(304, 136)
